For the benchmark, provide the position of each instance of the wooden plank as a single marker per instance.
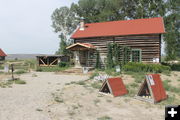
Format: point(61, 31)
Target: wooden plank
point(42, 61)
point(54, 61)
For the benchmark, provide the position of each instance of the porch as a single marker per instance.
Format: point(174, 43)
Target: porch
point(83, 54)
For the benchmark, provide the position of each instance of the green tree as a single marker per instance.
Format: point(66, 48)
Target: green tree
point(64, 22)
point(62, 46)
point(172, 23)
point(109, 10)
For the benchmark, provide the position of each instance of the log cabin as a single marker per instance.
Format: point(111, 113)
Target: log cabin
point(143, 36)
point(2, 55)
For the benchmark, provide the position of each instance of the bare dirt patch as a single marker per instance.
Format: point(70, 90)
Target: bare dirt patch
point(50, 96)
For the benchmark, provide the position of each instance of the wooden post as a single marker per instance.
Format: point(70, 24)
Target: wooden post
point(48, 64)
point(12, 69)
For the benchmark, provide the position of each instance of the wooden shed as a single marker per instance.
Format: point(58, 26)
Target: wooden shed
point(113, 86)
point(2, 55)
point(51, 60)
point(143, 36)
point(152, 89)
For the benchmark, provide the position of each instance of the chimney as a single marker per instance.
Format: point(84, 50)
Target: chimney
point(82, 26)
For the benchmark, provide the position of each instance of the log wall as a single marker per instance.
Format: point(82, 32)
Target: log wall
point(149, 44)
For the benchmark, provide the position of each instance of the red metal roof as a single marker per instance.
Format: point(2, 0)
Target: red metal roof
point(158, 90)
point(2, 53)
point(117, 86)
point(124, 27)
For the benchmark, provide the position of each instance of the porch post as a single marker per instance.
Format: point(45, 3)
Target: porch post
point(77, 60)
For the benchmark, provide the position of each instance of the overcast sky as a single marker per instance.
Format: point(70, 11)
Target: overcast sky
point(25, 26)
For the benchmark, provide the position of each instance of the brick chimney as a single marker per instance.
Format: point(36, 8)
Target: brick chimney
point(82, 24)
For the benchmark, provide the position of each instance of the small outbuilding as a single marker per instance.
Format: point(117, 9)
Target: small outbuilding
point(152, 89)
point(2, 55)
point(51, 60)
point(113, 86)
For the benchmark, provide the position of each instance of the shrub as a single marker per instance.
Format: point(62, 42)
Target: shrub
point(141, 67)
point(175, 67)
point(63, 64)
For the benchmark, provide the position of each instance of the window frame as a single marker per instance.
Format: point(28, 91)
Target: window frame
point(140, 54)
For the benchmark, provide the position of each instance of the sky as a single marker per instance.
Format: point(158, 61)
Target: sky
point(25, 26)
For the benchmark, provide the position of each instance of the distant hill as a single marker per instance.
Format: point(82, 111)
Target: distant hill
point(21, 56)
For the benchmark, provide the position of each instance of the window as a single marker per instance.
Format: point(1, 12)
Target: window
point(136, 55)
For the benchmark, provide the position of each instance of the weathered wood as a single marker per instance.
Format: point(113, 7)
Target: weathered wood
point(149, 44)
point(54, 61)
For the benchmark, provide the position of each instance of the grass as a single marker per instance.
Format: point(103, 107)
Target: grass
point(20, 72)
point(73, 82)
point(5, 84)
point(38, 109)
point(171, 100)
point(133, 85)
point(104, 118)
point(1, 72)
point(1, 67)
point(51, 69)
point(170, 88)
point(18, 81)
point(81, 83)
point(132, 91)
point(74, 107)
point(109, 101)
point(57, 98)
point(96, 101)
point(71, 113)
point(10, 82)
point(142, 67)
point(139, 77)
point(94, 75)
point(96, 85)
point(34, 75)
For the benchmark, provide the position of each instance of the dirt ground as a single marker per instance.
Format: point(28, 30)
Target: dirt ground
point(49, 96)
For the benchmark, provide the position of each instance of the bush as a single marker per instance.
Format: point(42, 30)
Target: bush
point(63, 64)
point(175, 67)
point(141, 67)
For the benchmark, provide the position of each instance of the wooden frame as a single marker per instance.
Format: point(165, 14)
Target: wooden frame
point(51, 60)
point(140, 54)
point(146, 81)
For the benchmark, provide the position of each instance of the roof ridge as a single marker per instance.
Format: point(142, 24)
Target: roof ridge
point(122, 20)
